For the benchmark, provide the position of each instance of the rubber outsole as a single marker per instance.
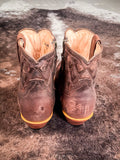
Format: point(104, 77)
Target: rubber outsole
point(36, 125)
point(76, 121)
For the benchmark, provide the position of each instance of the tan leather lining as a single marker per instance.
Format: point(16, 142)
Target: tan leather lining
point(36, 44)
point(82, 42)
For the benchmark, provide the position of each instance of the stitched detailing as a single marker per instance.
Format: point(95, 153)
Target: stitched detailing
point(78, 73)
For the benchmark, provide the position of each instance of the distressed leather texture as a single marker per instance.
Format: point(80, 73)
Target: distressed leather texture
point(36, 92)
point(75, 80)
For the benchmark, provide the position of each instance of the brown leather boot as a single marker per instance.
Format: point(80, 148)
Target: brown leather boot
point(37, 57)
point(75, 77)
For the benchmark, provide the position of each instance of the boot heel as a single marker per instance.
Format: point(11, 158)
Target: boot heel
point(75, 121)
point(36, 125)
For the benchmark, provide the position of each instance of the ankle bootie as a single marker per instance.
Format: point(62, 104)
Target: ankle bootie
point(75, 76)
point(37, 57)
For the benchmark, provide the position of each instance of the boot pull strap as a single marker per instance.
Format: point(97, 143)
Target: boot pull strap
point(94, 42)
point(20, 37)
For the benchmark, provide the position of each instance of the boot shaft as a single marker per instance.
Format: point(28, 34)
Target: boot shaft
point(37, 61)
point(81, 55)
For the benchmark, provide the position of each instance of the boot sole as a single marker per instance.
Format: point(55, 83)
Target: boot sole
point(75, 121)
point(36, 125)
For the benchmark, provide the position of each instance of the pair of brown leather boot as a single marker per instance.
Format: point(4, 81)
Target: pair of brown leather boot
point(74, 76)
